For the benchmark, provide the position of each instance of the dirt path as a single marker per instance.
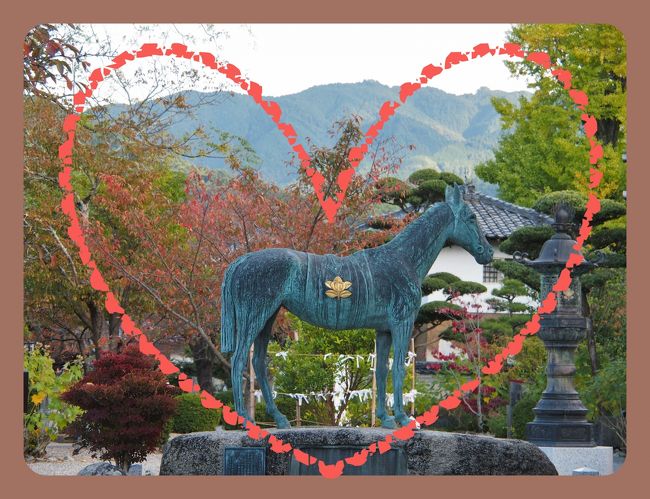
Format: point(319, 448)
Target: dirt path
point(60, 461)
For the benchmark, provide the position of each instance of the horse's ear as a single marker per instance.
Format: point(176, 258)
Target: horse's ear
point(453, 195)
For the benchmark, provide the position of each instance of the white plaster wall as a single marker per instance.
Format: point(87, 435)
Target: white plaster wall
point(461, 263)
point(444, 347)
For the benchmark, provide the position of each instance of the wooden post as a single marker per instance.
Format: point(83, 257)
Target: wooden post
point(413, 376)
point(298, 421)
point(373, 409)
point(251, 389)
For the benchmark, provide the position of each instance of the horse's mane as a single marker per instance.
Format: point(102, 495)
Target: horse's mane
point(416, 239)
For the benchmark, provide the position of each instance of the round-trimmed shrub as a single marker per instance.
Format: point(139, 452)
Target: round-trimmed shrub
point(451, 178)
point(523, 413)
point(191, 416)
point(445, 276)
point(467, 287)
point(431, 284)
point(423, 175)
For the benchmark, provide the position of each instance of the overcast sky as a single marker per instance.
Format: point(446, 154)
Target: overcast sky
point(288, 58)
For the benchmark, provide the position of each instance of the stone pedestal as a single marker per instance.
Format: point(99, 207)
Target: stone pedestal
point(568, 459)
point(427, 453)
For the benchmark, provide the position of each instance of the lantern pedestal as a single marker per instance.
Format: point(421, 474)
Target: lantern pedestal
point(560, 427)
point(560, 416)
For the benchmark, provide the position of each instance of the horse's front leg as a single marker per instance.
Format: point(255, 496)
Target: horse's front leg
point(401, 335)
point(381, 373)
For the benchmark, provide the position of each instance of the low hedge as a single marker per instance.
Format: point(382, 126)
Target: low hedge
point(191, 416)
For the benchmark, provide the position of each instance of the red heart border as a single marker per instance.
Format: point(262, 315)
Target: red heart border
point(330, 206)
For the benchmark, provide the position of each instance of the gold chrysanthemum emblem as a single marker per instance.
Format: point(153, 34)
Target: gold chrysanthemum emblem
point(338, 288)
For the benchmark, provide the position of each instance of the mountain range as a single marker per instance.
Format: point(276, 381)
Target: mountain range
point(449, 132)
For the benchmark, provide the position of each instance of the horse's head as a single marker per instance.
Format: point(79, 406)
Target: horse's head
point(466, 232)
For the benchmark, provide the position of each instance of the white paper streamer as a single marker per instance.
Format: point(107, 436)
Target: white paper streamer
point(361, 395)
point(371, 359)
point(358, 358)
point(411, 356)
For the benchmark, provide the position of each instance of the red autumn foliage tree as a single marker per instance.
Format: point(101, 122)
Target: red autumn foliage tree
point(472, 350)
point(127, 402)
point(61, 308)
point(50, 53)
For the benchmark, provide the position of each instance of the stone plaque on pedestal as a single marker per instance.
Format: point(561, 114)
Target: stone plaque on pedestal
point(392, 462)
point(244, 461)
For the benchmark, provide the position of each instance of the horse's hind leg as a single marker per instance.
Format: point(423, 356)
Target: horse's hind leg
point(381, 373)
point(401, 336)
point(238, 362)
point(248, 329)
point(259, 363)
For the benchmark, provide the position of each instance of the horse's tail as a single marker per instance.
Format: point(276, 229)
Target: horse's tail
point(228, 312)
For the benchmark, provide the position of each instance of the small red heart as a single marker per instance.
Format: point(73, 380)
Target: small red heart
point(331, 470)
point(303, 457)
point(384, 446)
point(330, 207)
point(358, 458)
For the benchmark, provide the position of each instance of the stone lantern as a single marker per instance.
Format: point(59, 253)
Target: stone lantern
point(560, 417)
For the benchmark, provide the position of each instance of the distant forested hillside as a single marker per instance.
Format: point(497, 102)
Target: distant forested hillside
point(450, 132)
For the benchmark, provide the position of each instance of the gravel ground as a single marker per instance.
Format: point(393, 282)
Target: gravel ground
point(60, 461)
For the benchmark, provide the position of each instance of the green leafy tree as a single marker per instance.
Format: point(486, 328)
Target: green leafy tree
point(505, 295)
point(434, 313)
point(606, 396)
point(424, 187)
point(527, 240)
point(305, 370)
point(546, 149)
point(47, 414)
point(596, 56)
point(609, 315)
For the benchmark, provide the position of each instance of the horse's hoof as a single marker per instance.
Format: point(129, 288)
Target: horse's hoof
point(411, 420)
point(282, 423)
point(388, 422)
point(404, 420)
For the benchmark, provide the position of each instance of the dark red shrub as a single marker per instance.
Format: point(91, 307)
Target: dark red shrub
point(127, 403)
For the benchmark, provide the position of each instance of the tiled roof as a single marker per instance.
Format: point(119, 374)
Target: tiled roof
point(498, 219)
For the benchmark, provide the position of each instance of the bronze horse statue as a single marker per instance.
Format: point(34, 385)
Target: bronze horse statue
point(377, 288)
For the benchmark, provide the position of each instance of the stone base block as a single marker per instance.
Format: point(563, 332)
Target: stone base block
point(567, 459)
point(427, 453)
point(566, 434)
